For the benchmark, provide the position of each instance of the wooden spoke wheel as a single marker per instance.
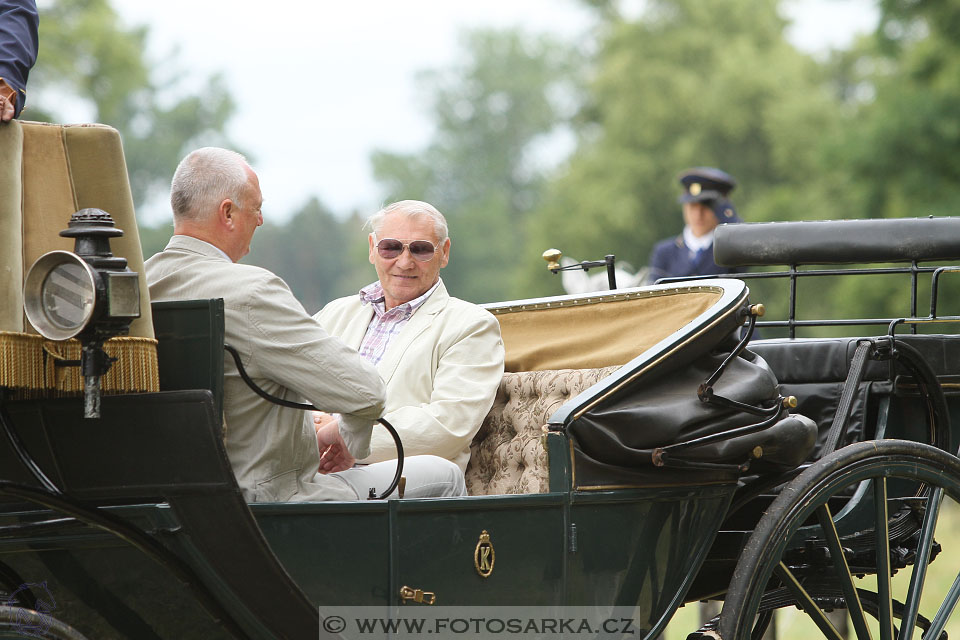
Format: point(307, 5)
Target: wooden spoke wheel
point(869, 508)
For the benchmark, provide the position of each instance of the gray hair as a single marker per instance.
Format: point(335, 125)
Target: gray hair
point(410, 209)
point(204, 179)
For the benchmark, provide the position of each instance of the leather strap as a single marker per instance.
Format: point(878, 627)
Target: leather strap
point(850, 386)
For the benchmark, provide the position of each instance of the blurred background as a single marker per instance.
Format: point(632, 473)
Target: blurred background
point(534, 124)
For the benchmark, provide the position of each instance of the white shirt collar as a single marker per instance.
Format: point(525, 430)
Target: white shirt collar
point(373, 294)
point(695, 243)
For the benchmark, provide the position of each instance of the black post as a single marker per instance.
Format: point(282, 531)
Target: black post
point(611, 274)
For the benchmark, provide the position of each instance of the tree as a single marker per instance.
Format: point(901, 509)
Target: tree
point(682, 86)
point(313, 252)
point(900, 151)
point(484, 167)
point(903, 146)
point(87, 55)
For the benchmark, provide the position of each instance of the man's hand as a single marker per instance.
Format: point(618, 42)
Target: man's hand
point(334, 455)
point(8, 102)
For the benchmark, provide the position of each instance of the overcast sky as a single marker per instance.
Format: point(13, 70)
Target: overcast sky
point(343, 73)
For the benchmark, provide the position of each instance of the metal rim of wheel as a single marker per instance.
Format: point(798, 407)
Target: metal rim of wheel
point(869, 465)
point(18, 622)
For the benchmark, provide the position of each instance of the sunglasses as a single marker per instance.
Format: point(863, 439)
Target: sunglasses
point(390, 248)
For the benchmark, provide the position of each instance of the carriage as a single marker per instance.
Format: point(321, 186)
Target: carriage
point(644, 451)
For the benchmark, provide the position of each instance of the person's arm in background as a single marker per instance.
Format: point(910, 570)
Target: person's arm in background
point(19, 22)
point(657, 267)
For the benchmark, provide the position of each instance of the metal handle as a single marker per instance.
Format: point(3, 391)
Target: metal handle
point(417, 595)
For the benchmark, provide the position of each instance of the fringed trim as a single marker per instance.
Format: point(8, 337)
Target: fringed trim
point(28, 363)
point(20, 366)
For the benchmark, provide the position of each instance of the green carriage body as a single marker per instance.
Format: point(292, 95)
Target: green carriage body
point(635, 545)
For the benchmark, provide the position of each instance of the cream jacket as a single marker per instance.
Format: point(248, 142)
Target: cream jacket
point(273, 449)
point(442, 372)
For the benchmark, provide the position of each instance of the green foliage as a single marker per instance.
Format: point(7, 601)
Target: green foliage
point(308, 252)
point(154, 239)
point(88, 57)
point(902, 149)
point(898, 153)
point(682, 86)
point(484, 168)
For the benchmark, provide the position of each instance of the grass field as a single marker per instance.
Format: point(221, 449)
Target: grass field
point(792, 624)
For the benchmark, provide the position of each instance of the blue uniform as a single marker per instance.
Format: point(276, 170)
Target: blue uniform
point(18, 44)
point(672, 257)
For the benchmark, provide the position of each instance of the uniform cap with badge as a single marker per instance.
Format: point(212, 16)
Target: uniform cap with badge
point(711, 187)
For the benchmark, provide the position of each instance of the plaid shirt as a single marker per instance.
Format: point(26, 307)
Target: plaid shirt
point(385, 325)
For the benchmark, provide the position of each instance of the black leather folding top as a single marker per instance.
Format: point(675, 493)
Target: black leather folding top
point(617, 426)
point(837, 241)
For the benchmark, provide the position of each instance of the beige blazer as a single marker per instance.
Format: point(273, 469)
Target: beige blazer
point(442, 372)
point(273, 449)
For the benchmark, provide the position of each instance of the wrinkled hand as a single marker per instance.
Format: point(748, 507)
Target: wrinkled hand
point(334, 455)
point(8, 102)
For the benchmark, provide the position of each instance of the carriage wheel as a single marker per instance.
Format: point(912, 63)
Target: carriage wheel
point(885, 475)
point(18, 622)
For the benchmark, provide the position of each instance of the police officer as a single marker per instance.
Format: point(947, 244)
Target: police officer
point(705, 205)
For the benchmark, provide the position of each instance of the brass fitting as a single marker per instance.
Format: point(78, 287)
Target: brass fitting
point(552, 256)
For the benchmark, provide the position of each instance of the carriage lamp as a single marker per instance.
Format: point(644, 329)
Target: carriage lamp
point(88, 294)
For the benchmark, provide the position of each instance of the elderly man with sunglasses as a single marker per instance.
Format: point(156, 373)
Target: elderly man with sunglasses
point(441, 357)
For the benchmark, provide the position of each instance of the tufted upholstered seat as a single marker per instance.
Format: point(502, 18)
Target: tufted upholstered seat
point(506, 455)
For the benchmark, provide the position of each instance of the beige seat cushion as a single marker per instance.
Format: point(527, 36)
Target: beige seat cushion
point(506, 456)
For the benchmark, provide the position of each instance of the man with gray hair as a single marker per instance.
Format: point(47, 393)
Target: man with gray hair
point(441, 357)
point(275, 451)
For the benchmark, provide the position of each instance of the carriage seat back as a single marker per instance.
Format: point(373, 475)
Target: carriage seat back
point(49, 172)
point(190, 337)
point(815, 370)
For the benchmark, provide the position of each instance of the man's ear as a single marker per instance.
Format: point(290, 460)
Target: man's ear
point(370, 256)
point(445, 253)
point(226, 212)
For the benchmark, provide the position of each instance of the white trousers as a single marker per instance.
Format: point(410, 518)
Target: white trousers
point(427, 477)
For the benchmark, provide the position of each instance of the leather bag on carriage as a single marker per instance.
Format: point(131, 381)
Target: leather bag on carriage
point(617, 441)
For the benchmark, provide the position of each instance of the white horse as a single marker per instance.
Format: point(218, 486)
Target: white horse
point(576, 281)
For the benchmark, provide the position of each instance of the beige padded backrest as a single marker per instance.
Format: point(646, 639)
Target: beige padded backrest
point(70, 167)
point(48, 172)
point(11, 240)
point(594, 332)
